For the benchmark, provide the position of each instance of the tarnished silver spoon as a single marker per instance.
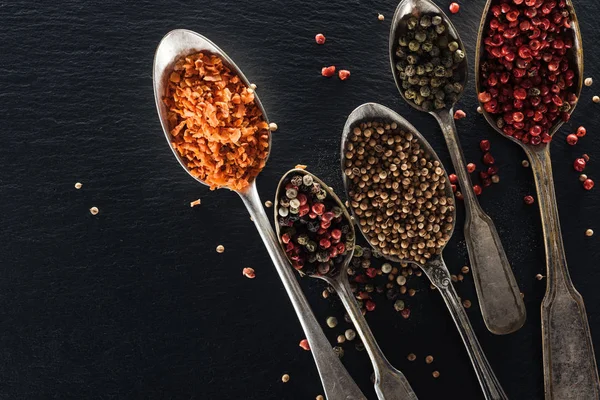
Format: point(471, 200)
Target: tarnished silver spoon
point(390, 384)
point(570, 370)
point(435, 268)
point(499, 296)
point(337, 383)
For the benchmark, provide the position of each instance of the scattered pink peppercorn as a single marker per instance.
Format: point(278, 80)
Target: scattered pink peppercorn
point(453, 188)
point(328, 71)
point(588, 184)
point(370, 305)
point(459, 114)
point(304, 344)
point(581, 131)
point(471, 167)
point(344, 74)
point(477, 189)
point(572, 139)
point(485, 145)
point(320, 38)
point(405, 313)
point(454, 8)
point(579, 164)
point(529, 200)
point(453, 178)
point(371, 272)
point(488, 159)
point(249, 273)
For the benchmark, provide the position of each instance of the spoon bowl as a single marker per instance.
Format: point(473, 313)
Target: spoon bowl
point(337, 383)
point(390, 384)
point(570, 371)
point(502, 307)
point(417, 8)
point(435, 268)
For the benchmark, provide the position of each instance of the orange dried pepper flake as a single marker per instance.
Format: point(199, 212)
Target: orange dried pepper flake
point(215, 125)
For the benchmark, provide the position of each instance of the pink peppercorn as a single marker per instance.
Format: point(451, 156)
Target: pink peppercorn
point(453, 178)
point(405, 313)
point(572, 139)
point(344, 74)
point(488, 159)
point(320, 38)
point(579, 164)
point(454, 8)
point(477, 190)
point(304, 344)
point(370, 305)
point(485, 145)
point(318, 208)
point(371, 272)
point(459, 114)
point(328, 71)
point(471, 168)
point(588, 184)
point(249, 273)
point(529, 200)
point(581, 131)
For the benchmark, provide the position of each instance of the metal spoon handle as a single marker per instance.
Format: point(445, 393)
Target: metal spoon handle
point(570, 370)
point(499, 296)
point(390, 384)
point(438, 274)
point(337, 383)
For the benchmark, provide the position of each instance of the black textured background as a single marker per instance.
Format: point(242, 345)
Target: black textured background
point(135, 302)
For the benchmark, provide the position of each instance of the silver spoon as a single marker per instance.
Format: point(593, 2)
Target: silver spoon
point(499, 296)
point(390, 384)
point(570, 369)
point(337, 383)
point(435, 269)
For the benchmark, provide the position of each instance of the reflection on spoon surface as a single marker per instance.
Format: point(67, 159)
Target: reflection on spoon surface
point(433, 265)
point(502, 307)
point(317, 234)
point(337, 383)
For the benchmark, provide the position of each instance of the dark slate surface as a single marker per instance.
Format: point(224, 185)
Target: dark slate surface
point(135, 303)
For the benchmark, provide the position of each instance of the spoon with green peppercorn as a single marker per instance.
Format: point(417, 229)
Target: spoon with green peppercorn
point(317, 234)
point(429, 65)
point(570, 369)
point(401, 199)
point(337, 382)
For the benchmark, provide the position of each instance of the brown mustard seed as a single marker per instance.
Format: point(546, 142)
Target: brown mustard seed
point(398, 192)
point(465, 270)
point(325, 294)
point(285, 378)
point(94, 210)
point(78, 185)
point(429, 359)
point(525, 163)
point(268, 204)
point(582, 177)
point(539, 277)
point(411, 357)
point(380, 17)
point(435, 374)
point(411, 292)
point(589, 233)
point(596, 99)
point(460, 277)
point(467, 303)
point(273, 127)
point(320, 397)
point(588, 82)
point(220, 248)
point(454, 278)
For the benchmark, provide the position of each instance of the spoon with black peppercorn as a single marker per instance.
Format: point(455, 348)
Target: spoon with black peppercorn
point(317, 234)
point(401, 198)
point(499, 296)
point(570, 369)
point(337, 382)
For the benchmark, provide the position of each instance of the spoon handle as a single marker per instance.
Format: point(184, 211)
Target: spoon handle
point(570, 369)
point(337, 382)
point(440, 276)
point(390, 384)
point(499, 296)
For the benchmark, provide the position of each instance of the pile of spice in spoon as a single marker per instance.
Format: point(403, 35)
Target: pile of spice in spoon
point(315, 233)
point(427, 61)
point(398, 192)
point(525, 72)
point(216, 127)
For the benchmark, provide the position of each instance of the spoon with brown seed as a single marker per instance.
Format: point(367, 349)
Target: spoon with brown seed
point(317, 234)
point(570, 369)
point(337, 383)
point(402, 201)
point(499, 296)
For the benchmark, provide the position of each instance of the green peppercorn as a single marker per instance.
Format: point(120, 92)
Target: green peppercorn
point(439, 29)
point(410, 94)
point(423, 81)
point(410, 70)
point(412, 59)
point(425, 21)
point(436, 82)
point(412, 22)
point(439, 71)
point(311, 246)
point(322, 195)
point(420, 69)
point(533, 92)
point(413, 80)
point(400, 52)
point(405, 85)
point(402, 41)
point(428, 67)
point(337, 211)
point(302, 239)
point(425, 91)
point(447, 62)
point(420, 36)
point(427, 105)
point(436, 20)
point(439, 104)
point(307, 180)
point(459, 55)
point(358, 251)
point(440, 95)
point(432, 36)
point(458, 87)
point(500, 123)
point(453, 46)
point(427, 46)
point(435, 52)
point(295, 203)
point(419, 99)
point(414, 45)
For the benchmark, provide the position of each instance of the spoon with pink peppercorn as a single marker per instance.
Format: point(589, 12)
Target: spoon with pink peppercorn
point(529, 75)
point(422, 35)
point(317, 234)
